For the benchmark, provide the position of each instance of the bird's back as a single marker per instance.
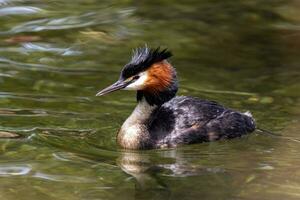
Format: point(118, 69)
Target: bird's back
point(186, 120)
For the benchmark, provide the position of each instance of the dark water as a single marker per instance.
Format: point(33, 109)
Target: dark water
point(55, 55)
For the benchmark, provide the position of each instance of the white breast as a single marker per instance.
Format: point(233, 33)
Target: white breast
point(134, 129)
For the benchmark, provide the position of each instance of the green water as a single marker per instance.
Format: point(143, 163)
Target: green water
point(55, 56)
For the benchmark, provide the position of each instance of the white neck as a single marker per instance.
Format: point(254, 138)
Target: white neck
point(134, 130)
point(140, 114)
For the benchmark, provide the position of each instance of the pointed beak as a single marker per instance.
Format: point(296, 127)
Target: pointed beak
point(114, 87)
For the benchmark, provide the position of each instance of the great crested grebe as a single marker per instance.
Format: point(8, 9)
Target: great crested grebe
point(161, 119)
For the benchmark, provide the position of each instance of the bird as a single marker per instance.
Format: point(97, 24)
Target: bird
point(163, 120)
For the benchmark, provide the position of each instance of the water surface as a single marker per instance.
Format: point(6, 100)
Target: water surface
point(55, 56)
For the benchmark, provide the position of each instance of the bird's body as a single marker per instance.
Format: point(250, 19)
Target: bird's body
point(161, 119)
point(182, 120)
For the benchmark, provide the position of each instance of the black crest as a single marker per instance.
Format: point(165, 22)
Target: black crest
point(142, 59)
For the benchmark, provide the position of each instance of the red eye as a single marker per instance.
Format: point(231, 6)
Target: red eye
point(136, 77)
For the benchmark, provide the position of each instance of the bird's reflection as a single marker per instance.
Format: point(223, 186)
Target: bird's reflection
point(148, 184)
point(150, 171)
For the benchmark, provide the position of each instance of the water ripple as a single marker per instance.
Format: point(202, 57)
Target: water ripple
point(36, 112)
point(44, 97)
point(43, 67)
point(70, 22)
point(19, 10)
point(63, 178)
point(44, 47)
point(13, 170)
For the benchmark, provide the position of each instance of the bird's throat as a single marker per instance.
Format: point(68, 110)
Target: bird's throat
point(134, 132)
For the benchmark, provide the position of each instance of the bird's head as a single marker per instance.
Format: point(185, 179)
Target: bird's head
point(149, 73)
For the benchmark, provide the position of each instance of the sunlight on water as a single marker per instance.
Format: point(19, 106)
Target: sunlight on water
point(13, 170)
point(57, 140)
